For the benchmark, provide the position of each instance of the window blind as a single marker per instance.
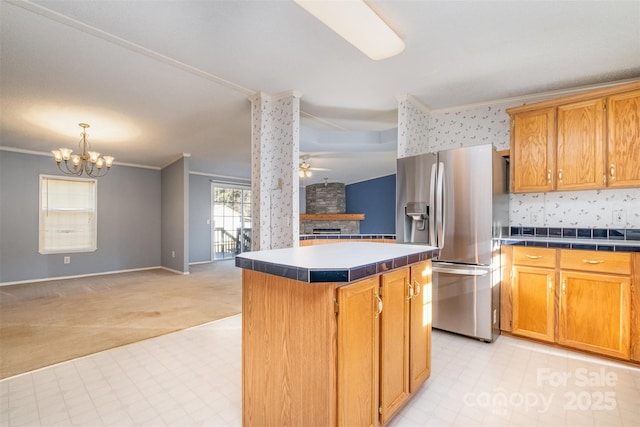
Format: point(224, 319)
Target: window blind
point(68, 215)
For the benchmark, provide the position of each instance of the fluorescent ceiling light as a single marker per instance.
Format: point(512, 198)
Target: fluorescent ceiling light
point(357, 24)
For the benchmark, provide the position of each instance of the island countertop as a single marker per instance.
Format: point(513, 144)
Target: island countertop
point(344, 262)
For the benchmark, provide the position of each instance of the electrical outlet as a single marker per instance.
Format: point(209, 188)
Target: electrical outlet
point(619, 217)
point(67, 260)
point(173, 254)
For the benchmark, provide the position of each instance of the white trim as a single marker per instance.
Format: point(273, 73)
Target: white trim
point(49, 279)
point(535, 97)
point(175, 159)
point(323, 121)
point(81, 26)
point(184, 273)
point(215, 175)
point(42, 153)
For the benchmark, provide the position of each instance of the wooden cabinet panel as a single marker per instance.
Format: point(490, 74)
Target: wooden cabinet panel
point(580, 145)
point(533, 307)
point(394, 342)
point(635, 308)
point(623, 139)
point(275, 352)
point(534, 257)
point(420, 326)
point(506, 301)
point(532, 150)
point(596, 261)
point(595, 313)
point(358, 354)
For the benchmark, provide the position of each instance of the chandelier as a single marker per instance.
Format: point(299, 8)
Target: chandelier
point(88, 162)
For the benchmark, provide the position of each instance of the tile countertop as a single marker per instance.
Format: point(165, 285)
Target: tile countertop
point(335, 263)
point(572, 243)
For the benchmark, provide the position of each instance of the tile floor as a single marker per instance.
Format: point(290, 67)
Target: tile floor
point(193, 377)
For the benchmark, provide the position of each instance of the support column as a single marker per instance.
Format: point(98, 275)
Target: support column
point(275, 149)
point(413, 126)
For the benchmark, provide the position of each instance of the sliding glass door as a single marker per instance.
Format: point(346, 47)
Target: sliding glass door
point(231, 213)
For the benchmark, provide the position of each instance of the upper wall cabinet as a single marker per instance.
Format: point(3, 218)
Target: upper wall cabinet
point(579, 142)
point(623, 139)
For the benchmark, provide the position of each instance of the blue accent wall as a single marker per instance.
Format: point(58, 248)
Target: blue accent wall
point(376, 198)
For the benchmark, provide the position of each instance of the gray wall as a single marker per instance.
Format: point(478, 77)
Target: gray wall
point(175, 216)
point(129, 221)
point(199, 214)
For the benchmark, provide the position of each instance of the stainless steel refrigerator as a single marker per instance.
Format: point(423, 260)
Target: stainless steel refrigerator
point(458, 201)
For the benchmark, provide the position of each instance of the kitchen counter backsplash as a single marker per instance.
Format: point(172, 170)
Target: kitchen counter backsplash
point(578, 209)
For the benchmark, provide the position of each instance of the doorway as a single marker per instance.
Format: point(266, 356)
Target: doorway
point(231, 213)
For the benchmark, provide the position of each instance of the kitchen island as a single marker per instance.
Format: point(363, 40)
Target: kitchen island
point(334, 335)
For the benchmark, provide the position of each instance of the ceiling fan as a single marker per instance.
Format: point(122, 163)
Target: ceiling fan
point(305, 167)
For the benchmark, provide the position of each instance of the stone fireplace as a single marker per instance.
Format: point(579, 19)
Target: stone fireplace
point(326, 206)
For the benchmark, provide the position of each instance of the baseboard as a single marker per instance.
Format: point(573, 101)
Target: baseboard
point(47, 279)
point(174, 271)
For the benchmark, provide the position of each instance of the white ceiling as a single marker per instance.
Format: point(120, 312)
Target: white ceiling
point(159, 78)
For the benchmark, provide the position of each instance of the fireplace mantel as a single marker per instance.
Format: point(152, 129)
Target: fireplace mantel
point(332, 217)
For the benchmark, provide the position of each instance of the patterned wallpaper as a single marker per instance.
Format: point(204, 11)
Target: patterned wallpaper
point(275, 135)
point(480, 125)
point(453, 129)
point(587, 208)
point(413, 123)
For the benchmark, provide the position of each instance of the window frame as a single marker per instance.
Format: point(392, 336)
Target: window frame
point(92, 245)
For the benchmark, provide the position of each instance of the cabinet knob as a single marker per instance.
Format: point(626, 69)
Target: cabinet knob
point(550, 284)
point(612, 171)
point(560, 175)
point(593, 261)
point(548, 175)
point(534, 256)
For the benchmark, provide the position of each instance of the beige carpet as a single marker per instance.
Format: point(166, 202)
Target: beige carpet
point(49, 322)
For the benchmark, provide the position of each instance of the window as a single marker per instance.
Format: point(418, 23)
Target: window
point(68, 211)
point(231, 220)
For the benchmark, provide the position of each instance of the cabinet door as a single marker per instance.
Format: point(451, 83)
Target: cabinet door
point(623, 140)
point(533, 292)
point(420, 327)
point(533, 150)
point(580, 154)
point(595, 312)
point(394, 343)
point(358, 353)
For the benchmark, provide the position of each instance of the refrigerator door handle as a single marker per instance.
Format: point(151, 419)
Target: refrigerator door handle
point(432, 203)
point(460, 271)
point(440, 215)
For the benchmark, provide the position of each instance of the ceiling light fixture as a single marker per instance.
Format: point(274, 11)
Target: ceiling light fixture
point(358, 24)
point(304, 170)
point(88, 162)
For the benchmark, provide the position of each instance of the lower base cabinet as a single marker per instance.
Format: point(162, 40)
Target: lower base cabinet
point(595, 313)
point(328, 355)
point(587, 300)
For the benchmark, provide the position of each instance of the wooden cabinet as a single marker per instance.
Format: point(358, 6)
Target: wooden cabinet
point(588, 300)
point(532, 150)
point(420, 325)
point(326, 354)
point(580, 145)
point(567, 144)
point(358, 353)
point(595, 310)
point(394, 342)
point(623, 139)
point(533, 293)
